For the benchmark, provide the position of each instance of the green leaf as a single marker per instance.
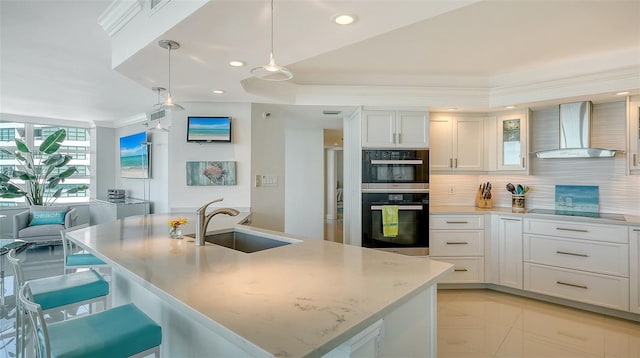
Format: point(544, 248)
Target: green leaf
point(23, 175)
point(4, 178)
point(67, 173)
point(77, 189)
point(22, 146)
point(54, 160)
point(20, 157)
point(57, 193)
point(53, 183)
point(52, 143)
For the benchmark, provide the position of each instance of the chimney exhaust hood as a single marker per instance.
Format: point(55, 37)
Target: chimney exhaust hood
point(575, 134)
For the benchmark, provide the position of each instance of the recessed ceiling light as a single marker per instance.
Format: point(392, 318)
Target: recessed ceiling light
point(236, 63)
point(622, 93)
point(452, 109)
point(510, 107)
point(344, 19)
point(218, 91)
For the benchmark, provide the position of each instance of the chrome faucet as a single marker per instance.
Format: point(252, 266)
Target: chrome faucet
point(203, 219)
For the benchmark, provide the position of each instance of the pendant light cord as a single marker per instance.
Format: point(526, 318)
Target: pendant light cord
point(271, 31)
point(169, 71)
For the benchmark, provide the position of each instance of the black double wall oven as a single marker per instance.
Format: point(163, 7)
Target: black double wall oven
point(396, 177)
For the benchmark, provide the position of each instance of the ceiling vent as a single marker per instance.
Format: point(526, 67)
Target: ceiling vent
point(157, 115)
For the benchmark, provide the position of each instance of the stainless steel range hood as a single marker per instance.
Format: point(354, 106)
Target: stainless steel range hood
point(575, 134)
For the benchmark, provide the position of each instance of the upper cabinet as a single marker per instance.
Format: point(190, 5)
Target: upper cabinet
point(512, 144)
point(395, 129)
point(633, 125)
point(457, 142)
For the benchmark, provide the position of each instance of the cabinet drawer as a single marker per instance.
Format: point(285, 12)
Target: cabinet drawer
point(456, 222)
point(593, 256)
point(465, 270)
point(577, 230)
point(456, 243)
point(596, 289)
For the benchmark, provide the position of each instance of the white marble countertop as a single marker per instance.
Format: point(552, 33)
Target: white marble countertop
point(295, 300)
point(453, 210)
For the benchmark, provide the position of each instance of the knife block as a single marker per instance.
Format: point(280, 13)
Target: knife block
point(483, 203)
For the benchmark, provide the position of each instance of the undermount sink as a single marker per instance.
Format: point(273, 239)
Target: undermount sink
point(244, 242)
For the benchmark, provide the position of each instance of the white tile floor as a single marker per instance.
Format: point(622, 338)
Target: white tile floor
point(484, 323)
point(471, 323)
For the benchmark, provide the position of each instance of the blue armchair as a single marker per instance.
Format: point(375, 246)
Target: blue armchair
point(43, 224)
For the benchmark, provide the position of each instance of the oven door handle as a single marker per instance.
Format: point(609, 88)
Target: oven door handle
point(400, 207)
point(396, 162)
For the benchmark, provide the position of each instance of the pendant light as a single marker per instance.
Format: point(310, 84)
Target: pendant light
point(272, 71)
point(168, 103)
point(157, 114)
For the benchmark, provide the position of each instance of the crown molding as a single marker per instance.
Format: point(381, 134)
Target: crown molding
point(118, 14)
point(609, 81)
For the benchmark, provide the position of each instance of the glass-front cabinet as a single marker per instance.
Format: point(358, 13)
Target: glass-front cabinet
point(513, 146)
point(634, 135)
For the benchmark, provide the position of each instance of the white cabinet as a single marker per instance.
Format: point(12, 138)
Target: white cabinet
point(513, 145)
point(510, 251)
point(634, 268)
point(459, 240)
point(457, 142)
point(395, 129)
point(578, 261)
point(633, 127)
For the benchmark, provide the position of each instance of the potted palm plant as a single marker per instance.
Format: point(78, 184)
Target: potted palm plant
point(40, 170)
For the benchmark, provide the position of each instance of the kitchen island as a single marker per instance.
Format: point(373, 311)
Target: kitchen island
point(307, 298)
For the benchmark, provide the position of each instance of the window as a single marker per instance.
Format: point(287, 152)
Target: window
point(76, 144)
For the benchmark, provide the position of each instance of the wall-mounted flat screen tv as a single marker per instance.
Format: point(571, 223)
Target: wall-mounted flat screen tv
point(134, 156)
point(208, 129)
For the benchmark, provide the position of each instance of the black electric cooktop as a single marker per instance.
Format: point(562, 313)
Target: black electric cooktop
point(609, 216)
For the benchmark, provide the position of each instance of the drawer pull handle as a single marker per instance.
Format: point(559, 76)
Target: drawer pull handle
point(567, 229)
point(460, 270)
point(636, 229)
point(509, 219)
point(571, 254)
point(457, 222)
point(571, 284)
point(457, 243)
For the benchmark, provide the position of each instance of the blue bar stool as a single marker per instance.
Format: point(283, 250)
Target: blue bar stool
point(75, 259)
point(58, 293)
point(123, 331)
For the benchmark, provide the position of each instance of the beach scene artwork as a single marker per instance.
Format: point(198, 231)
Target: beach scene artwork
point(134, 156)
point(209, 129)
point(577, 198)
point(211, 173)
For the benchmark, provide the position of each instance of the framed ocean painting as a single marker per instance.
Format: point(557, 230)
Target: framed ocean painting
point(211, 173)
point(134, 156)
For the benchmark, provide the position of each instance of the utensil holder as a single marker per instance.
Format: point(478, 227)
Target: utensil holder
point(517, 202)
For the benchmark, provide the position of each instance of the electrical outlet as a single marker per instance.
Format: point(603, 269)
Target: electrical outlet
point(452, 190)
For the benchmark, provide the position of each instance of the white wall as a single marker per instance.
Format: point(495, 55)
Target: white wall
point(267, 158)
point(304, 173)
point(189, 198)
point(167, 189)
point(103, 145)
